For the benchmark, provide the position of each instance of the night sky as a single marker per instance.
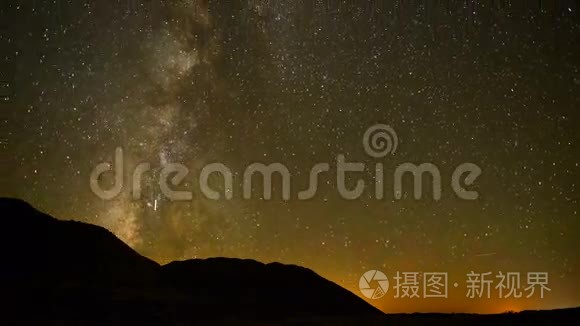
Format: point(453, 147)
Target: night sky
point(495, 83)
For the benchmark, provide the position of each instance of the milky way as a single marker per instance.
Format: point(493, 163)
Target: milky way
point(195, 83)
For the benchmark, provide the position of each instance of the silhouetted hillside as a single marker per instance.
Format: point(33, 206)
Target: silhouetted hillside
point(262, 291)
point(63, 272)
point(41, 248)
point(69, 273)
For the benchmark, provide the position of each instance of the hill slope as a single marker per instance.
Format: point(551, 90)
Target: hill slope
point(66, 271)
point(69, 273)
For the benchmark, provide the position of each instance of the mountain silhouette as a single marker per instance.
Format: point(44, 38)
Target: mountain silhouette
point(57, 272)
point(68, 271)
point(41, 248)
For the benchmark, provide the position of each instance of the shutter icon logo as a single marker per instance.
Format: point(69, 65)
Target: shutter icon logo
point(373, 284)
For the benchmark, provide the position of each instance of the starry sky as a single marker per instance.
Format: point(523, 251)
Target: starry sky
point(495, 83)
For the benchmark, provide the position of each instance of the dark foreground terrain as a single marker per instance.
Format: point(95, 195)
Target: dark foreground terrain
point(70, 273)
